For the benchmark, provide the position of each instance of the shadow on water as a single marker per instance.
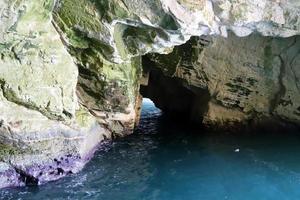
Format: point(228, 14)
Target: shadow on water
point(168, 159)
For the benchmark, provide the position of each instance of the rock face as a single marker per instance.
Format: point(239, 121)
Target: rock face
point(56, 103)
point(232, 80)
point(70, 72)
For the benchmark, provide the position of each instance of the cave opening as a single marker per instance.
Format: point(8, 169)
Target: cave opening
point(149, 106)
point(177, 99)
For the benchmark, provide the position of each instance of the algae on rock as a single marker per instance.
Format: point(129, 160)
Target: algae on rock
point(70, 71)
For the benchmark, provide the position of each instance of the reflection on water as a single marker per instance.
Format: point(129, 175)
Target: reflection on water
point(167, 160)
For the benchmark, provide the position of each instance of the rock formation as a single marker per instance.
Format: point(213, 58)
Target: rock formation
point(70, 72)
point(229, 81)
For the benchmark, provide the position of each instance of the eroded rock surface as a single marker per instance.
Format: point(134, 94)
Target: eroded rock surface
point(249, 78)
point(127, 28)
point(70, 72)
point(55, 109)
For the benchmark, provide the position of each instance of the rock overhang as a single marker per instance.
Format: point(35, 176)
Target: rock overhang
point(76, 67)
point(130, 28)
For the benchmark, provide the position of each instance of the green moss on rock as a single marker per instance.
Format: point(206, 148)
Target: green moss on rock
point(7, 151)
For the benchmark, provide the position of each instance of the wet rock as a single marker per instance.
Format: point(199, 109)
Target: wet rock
point(70, 72)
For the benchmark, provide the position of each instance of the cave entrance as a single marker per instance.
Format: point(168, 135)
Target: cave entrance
point(148, 106)
point(149, 109)
point(174, 96)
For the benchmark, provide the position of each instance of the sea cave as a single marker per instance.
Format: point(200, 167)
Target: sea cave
point(154, 100)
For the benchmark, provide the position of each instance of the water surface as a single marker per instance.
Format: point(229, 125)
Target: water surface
point(168, 160)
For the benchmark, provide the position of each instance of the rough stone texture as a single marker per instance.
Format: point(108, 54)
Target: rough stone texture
point(70, 72)
point(32, 143)
point(250, 78)
point(32, 56)
point(45, 132)
point(156, 26)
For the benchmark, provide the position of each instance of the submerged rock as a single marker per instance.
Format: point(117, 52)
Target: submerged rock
point(70, 72)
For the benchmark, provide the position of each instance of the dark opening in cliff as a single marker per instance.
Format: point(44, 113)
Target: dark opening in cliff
point(174, 96)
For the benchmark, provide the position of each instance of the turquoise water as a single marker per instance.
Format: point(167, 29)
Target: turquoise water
point(166, 160)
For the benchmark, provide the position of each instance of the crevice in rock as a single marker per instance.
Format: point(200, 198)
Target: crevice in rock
point(281, 91)
point(297, 80)
point(277, 100)
point(9, 95)
point(26, 178)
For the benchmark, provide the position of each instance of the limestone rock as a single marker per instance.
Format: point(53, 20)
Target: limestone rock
point(40, 118)
point(127, 28)
point(32, 56)
point(251, 78)
point(70, 72)
point(58, 102)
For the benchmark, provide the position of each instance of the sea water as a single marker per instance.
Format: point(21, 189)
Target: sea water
point(167, 159)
